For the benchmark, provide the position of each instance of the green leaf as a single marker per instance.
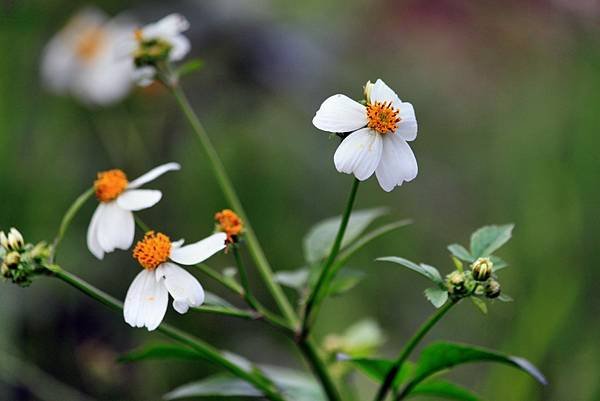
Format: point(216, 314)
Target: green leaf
point(345, 280)
point(436, 296)
point(189, 67)
point(160, 351)
point(319, 240)
point(444, 355)
point(504, 298)
point(460, 252)
point(498, 263)
point(362, 338)
point(295, 385)
point(480, 304)
point(444, 389)
point(215, 300)
point(428, 271)
point(377, 369)
point(296, 279)
point(215, 386)
point(489, 238)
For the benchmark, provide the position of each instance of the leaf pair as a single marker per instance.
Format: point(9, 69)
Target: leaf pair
point(484, 242)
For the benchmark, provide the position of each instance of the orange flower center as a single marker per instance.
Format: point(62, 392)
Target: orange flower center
point(110, 184)
point(382, 117)
point(153, 250)
point(90, 44)
point(229, 223)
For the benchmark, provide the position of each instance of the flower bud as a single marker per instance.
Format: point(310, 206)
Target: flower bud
point(456, 283)
point(15, 240)
point(12, 259)
point(41, 251)
point(492, 289)
point(482, 269)
point(3, 240)
point(368, 88)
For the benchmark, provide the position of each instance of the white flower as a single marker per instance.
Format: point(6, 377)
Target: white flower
point(380, 131)
point(82, 59)
point(148, 296)
point(113, 226)
point(158, 41)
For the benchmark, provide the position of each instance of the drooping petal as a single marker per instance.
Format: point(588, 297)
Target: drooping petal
point(153, 174)
point(407, 127)
point(116, 228)
point(199, 251)
point(167, 27)
point(138, 199)
point(339, 113)
point(359, 153)
point(183, 287)
point(383, 94)
point(180, 47)
point(398, 163)
point(146, 301)
point(92, 233)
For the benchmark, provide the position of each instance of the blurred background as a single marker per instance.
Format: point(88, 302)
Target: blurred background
point(506, 95)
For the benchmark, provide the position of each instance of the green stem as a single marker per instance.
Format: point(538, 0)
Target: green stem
point(409, 347)
point(326, 276)
point(227, 283)
point(256, 251)
point(221, 310)
point(68, 218)
point(319, 368)
point(140, 223)
point(210, 353)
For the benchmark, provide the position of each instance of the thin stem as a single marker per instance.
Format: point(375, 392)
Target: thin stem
point(324, 277)
point(68, 218)
point(319, 368)
point(221, 310)
point(205, 350)
point(140, 223)
point(256, 251)
point(229, 284)
point(409, 347)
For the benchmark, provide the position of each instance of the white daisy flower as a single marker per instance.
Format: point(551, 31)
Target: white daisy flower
point(113, 226)
point(155, 42)
point(148, 296)
point(379, 134)
point(82, 59)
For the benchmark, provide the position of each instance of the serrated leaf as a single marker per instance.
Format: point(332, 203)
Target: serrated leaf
point(461, 252)
point(189, 67)
point(480, 304)
point(428, 271)
point(345, 280)
point(296, 279)
point(320, 238)
point(488, 239)
point(444, 389)
point(444, 355)
point(436, 296)
point(377, 369)
point(215, 300)
point(160, 351)
point(215, 386)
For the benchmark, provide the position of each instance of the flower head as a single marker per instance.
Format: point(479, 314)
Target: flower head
point(82, 59)
point(378, 135)
point(229, 223)
point(148, 296)
point(113, 226)
point(482, 269)
point(13, 241)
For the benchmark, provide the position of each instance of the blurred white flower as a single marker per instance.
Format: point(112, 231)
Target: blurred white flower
point(156, 42)
point(83, 60)
point(113, 226)
point(148, 296)
point(379, 134)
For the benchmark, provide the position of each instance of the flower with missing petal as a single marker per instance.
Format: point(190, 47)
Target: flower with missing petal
point(113, 226)
point(148, 296)
point(83, 59)
point(378, 135)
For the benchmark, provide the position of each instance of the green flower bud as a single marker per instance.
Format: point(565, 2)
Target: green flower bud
point(482, 269)
point(12, 260)
point(3, 240)
point(15, 240)
point(456, 283)
point(492, 289)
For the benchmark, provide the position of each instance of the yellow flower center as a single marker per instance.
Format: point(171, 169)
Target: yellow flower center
point(229, 223)
point(153, 250)
point(110, 184)
point(382, 117)
point(90, 44)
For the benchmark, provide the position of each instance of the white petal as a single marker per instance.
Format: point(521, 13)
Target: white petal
point(199, 251)
point(116, 228)
point(398, 163)
point(181, 47)
point(339, 113)
point(359, 153)
point(177, 244)
point(183, 287)
point(383, 93)
point(138, 199)
point(167, 27)
point(153, 174)
point(92, 233)
point(407, 127)
point(144, 76)
point(146, 301)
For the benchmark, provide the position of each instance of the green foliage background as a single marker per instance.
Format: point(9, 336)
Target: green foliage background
point(506, 95)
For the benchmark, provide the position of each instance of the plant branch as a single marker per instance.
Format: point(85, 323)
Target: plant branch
point(68, 218)
point(310, 352)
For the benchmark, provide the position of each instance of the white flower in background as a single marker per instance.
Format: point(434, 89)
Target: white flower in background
point(160, 41)
point(148, 296)
point(113, 226)
point(83, 60)
point(380, 131)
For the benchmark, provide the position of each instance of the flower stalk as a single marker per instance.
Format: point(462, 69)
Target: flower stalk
point(68, 218)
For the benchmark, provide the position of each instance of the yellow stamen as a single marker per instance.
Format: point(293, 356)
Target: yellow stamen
point(382, 117)
point(153, 250)
point(90, 44)
point(110, 184)
point(139, 35)
point(229, 223)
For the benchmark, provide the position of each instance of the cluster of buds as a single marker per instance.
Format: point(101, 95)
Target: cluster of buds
point(21, 261)
point(478, 281)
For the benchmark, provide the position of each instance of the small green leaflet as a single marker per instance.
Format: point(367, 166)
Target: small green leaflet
point(461, 253)
point(480, 304)
point(377, 369)
point(445, 389)
point(428, 271)
point(488, 239)
point(295, 279)
point(436, 296)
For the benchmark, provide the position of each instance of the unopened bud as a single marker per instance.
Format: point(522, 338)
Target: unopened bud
point(492, 289)
point(368, 88)
point(456, 283)
point(15, 240)
point(12, 259)
point(3, 240)
point(482, 269)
